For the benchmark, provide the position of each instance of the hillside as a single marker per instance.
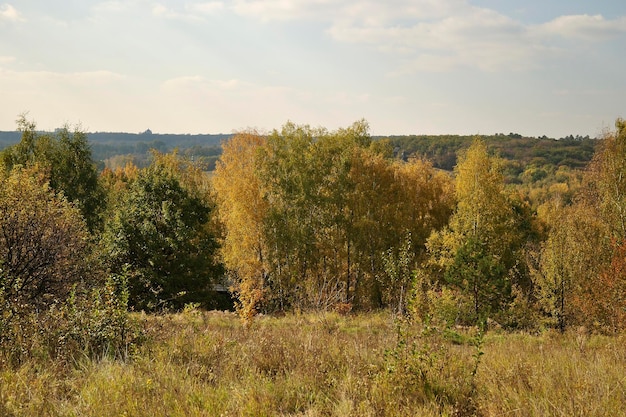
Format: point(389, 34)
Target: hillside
point(115, 149)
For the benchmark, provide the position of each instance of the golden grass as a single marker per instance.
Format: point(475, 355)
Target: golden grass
point(553, 375)
point(209, 364)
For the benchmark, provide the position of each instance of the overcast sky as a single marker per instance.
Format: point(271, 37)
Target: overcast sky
point(533, 67)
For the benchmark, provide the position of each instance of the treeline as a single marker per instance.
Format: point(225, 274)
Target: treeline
point(305, 218)
point(574, 152)
point(114, 150)
point(318, 219)
point(79, 247)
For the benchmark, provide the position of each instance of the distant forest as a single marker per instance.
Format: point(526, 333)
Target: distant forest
point(115, 150)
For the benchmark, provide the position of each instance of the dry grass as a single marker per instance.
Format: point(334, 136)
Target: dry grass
point(553, 375)
point(209, 364)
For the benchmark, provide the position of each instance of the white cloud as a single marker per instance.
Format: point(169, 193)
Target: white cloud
point(8, 12)
point(585, 27)
point(6, 59)
point(368, 11)
point(210, 7)
point(160, 10)
point(111, 6)
point(189, 12)
point(437, 35)
point(479, 38)
point(276, 9)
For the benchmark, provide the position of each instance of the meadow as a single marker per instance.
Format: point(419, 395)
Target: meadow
point(198, 363)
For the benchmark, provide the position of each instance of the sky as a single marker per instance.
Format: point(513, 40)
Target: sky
point(535, 67)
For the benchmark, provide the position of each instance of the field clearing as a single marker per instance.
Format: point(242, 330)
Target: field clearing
point(209, 364)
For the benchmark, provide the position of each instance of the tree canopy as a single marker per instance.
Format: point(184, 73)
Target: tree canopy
point(160, 233)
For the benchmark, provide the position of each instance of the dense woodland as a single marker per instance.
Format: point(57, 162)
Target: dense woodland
point(115, 259)
point(523, 231)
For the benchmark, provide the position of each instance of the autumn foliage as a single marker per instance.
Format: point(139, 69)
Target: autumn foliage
point(304, 218)
point(309, 214)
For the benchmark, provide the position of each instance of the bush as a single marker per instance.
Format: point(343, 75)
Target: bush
point(92, 323)
point(433, 365)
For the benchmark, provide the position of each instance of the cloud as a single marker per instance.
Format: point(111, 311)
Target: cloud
point(210, 7)
point(277, 9)
point(111, 6)
point(8, 12)
point(438, 35)
point(585, 27)
point(478, 38)
point(189, 12)
point(160, 10)
point(24, 79)
point(370, 11)
point(6, 59)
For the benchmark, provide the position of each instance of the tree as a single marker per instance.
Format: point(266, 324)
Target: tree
point(608, 176)
point(162, 230)
point(398, 268)
point(66, 158)
point(390, 201)
point(305, 179)
point(478, 250)
point(309, 214)
point(43, 241)
point(602, 301)
point(579, 280)
point(74, 172)
point(243, 210)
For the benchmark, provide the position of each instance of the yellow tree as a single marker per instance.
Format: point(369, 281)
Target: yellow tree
point(44, 246)
point(373, 209)
point(571, 258)
point(242, 210)
point(426, 199)
point(395, 206)
point(477, 251)
point(580, 278)
point(608, 176)
point(597, 233)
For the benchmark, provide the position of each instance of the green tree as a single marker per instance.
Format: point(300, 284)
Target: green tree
point(66, 157)
point(479, 249)
point(162, 232)
point(309, 214)
point(306, 182)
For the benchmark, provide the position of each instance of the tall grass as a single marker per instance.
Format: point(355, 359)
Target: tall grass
point(574, 374)
point(209, 364)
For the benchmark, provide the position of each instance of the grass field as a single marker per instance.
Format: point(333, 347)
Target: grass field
point(209, 364)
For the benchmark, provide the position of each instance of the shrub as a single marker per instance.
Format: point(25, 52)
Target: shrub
point(92, 323)
point(432, 364)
